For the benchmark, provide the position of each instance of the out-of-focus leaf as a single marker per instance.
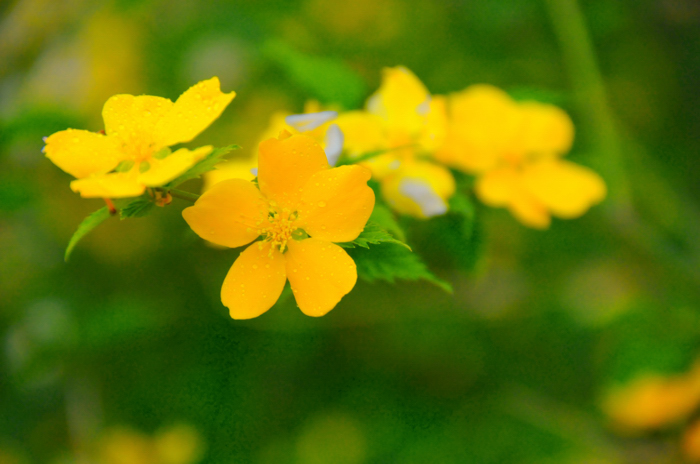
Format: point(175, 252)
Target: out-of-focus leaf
point(390, 262)
point(373, 234)
point(118, 322)
point(205, 165)
point(452, 239)
point(650, 340)
point(85, 227)
point(14, 193)
point(329, 80)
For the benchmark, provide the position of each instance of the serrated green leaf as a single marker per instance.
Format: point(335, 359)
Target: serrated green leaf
point(137, 208)
point(385, 218)
point(330, 80)
point(204, 165)
point(85, 227)
point(372, 234)
point(390, 262)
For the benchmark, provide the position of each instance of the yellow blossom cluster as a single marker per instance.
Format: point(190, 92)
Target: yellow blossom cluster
point(295, 205)
point(514, 149)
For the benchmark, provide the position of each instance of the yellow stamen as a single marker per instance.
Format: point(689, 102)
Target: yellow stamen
point(279, 228)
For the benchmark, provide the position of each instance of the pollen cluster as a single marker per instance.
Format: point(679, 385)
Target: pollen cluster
point(277, 229)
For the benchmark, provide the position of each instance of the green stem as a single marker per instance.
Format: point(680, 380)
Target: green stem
point(591, 98)
point(587, 82)
point(182, 195)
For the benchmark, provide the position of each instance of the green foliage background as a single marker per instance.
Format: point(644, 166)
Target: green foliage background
point(509, 368)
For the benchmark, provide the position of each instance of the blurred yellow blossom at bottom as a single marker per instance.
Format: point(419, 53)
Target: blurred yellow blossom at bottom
point(653, 401)
point(691, 442)
point(178, 444)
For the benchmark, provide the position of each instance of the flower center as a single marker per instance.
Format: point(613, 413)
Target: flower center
point(279, 226)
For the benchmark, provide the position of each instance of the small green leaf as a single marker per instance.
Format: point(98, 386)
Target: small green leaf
point(389, 262)
point(138, 208)
point(373, 234)
point(145, 166)
point(205, 165)
point(85, 227)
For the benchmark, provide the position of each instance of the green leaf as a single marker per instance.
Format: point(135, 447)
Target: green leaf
point(85, 227)
point(451, 240)
point(384, 218)
point(137, 208)
point(390, 262)
point(372, 234)
point(205, 165)
point(329, 80)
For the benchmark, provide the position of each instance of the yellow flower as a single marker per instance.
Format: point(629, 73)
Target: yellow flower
point(404, 118)
point(137, 130)
point(653, 401)
point(420, 189)
point(298, 195)
point(515, 150)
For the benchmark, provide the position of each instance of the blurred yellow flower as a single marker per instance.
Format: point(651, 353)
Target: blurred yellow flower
point(515, 150)
point(299, 195)
point(405, 119)
point(653, 401)
point(138, 132)
point(178, 444)
point(419, 189)
point(691, 442)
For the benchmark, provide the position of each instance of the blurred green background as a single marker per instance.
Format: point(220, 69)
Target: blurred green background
point(511, 368)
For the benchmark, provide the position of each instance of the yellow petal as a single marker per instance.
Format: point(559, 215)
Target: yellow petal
point(114, 185)
point(420, 189)
point(81, 153)
point(529, 210)
point(336, 203)
point(483, 123)
point(254, 282)
point(497, 187)
point(132, 121)
point(398, 100)
point(164, 170)
point(653, 401)
point(320, 274)
point(364, 132)
point(193, 112)
point(565, 188)
point(284, 167)
point(545, 129)
point(435, 129)
point(229, 214)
